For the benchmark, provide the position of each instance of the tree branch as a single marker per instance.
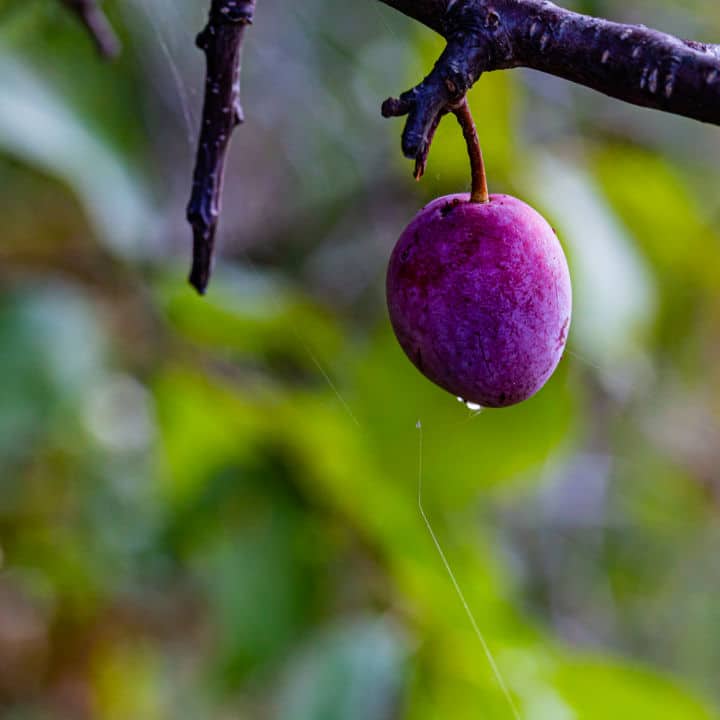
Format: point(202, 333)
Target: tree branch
point(97, 25)
point(222, 41)
point(629, 62)
point(429, 12)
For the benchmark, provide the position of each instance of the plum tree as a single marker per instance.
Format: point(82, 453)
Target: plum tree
point(478, 287)
point(633, 63)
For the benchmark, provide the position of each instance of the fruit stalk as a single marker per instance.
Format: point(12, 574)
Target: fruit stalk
point(479, 189)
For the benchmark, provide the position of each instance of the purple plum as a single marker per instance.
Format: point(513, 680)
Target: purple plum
point(479, 297)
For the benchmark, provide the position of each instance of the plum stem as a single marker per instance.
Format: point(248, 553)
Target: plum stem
point(479, 189)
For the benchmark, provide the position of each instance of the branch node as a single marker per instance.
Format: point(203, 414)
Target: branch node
point(441, 92)
point(629, 62)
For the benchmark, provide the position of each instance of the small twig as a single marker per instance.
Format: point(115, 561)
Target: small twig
point(629, 62)
point(438, 94)
point(424, 151)
point(97, 25)
point(221, 41)
point(479, 192)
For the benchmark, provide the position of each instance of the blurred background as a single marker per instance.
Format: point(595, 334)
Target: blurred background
point(208, 507)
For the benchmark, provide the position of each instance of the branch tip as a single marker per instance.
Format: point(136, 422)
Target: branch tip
point(394, 107)
point(221, 41)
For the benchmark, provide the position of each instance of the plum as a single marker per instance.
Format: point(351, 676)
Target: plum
point(479, 297)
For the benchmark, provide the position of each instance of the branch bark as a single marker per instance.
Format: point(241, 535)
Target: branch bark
point(221, 41)
point(94, 20)
point(628, 62)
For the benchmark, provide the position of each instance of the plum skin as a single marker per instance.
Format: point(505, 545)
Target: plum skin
point(479, 298)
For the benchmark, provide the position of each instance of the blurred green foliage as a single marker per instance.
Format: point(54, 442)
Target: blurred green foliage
point(208, 507)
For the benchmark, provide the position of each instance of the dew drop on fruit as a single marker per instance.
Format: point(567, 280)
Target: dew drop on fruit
point(475, 407)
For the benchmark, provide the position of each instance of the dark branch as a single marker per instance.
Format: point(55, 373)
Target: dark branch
point(445, 86)
point(629, 62)
point(432, 13)
point(222, 41)
point(97, 25)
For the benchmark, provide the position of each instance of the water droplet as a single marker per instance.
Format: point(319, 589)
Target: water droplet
point(475, 407)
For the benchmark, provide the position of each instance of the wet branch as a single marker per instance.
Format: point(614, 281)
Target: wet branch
point(628, 62)
point(221, 41)
point(94, 20)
